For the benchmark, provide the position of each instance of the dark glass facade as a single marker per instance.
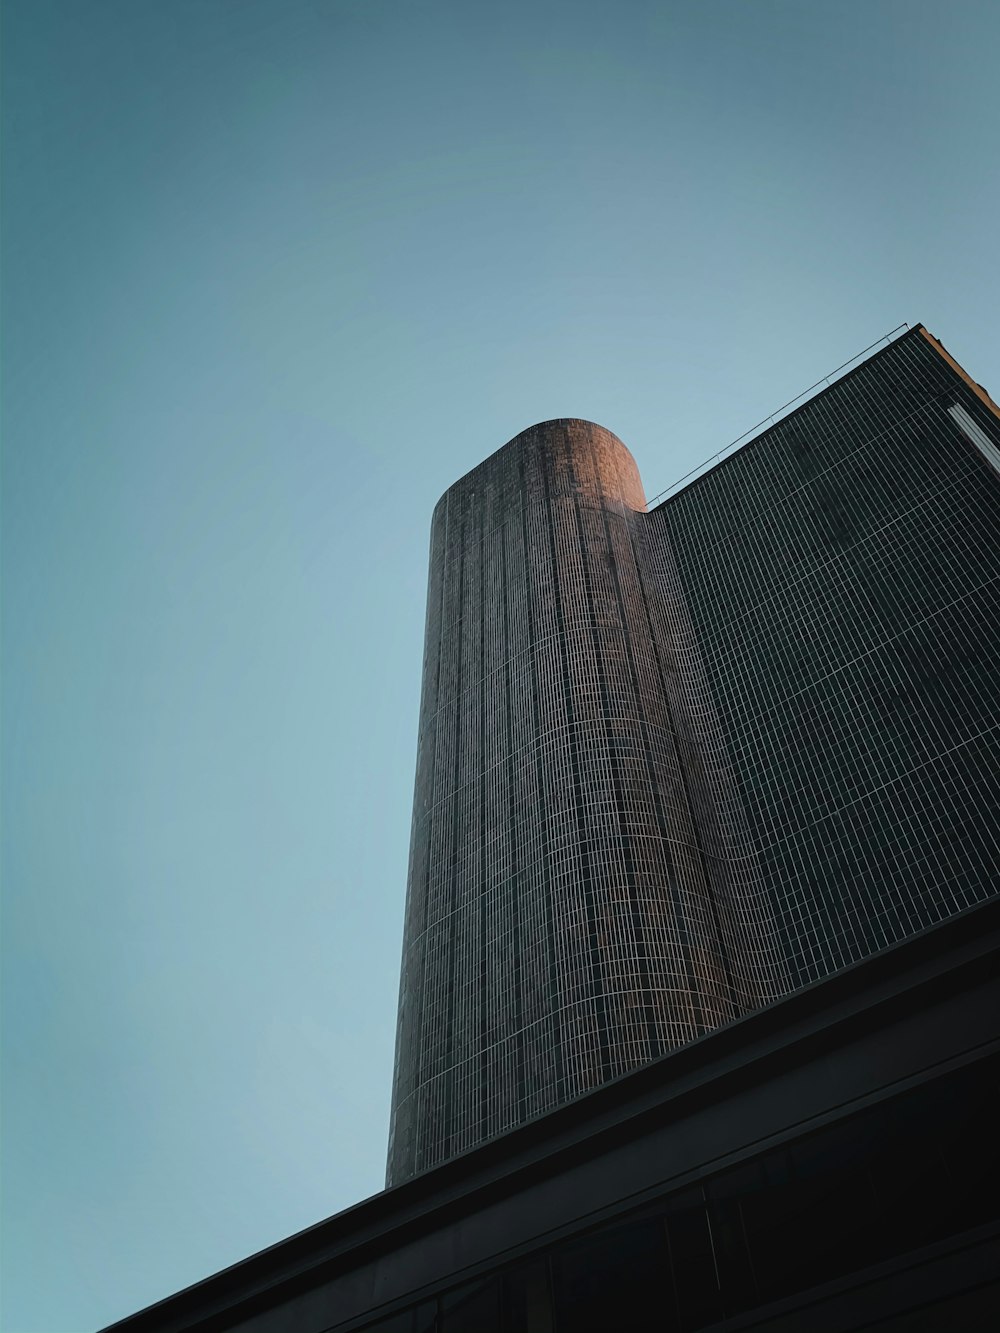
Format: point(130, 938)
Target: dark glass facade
point(673, 765)
point(843, 577)
point(909, 1172)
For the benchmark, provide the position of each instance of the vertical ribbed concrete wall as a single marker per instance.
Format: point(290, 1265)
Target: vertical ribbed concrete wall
point(582, 896)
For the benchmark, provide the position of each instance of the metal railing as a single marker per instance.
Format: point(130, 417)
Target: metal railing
point(772, 419)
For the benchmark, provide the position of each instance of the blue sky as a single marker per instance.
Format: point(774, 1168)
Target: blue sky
point(276, 274)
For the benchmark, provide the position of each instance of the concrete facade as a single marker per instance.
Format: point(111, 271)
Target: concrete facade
point(566, 919)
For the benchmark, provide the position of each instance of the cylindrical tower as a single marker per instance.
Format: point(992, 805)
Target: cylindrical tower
point(560, 926)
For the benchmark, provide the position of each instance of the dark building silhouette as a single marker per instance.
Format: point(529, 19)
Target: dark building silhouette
point(706, 829)
point(673, 765)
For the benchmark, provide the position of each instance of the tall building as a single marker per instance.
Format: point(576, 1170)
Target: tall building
point(705, 828)
point(675, 764)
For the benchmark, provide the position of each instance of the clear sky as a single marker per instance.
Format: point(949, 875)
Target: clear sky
point(276, 272)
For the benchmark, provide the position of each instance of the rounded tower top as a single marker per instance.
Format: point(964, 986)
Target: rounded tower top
point(564, 456)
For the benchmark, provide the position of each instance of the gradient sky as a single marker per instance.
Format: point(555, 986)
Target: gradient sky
point(276, 272)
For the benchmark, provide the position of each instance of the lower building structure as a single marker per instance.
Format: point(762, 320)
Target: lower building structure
point(830, 1162)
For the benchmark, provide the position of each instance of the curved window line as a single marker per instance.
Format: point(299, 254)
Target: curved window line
point(874, 791)
point(781, 592)
point(866, 444)
point(534, 743)
point(578, 626)
point(547, 1018)
point(704, 893)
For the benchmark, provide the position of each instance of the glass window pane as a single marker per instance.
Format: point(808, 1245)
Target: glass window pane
point(732, 1259)
point(692, 1258)
point(397, 1323)
point(425, 1317)
point(472, 1309)
point(971, 1145)
point(528, 1304)
point(614, 1279)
